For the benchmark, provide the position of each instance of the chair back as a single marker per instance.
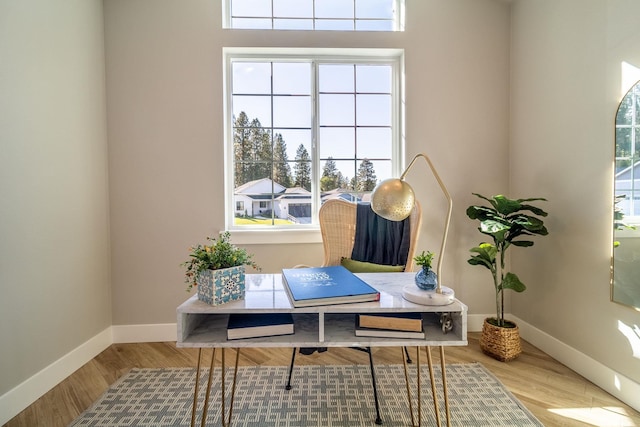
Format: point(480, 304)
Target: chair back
point(338, 228)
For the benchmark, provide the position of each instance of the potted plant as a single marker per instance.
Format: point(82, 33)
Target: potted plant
point(426, 278)
point(509, 223)
point(218, 269)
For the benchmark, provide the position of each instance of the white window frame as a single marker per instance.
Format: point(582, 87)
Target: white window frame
point(306, 232)
point(398, 21)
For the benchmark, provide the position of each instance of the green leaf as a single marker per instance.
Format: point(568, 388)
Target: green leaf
point(533, 209)
point(477, 260)
point(486, 251)
point(522, 243)
point(511, 281)
point(505, 205)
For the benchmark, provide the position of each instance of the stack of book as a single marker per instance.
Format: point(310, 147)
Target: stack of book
point(390, 325)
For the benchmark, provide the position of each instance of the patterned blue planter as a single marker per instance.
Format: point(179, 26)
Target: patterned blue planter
point(221, 286)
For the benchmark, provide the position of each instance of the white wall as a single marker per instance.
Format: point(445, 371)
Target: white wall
point(54, 237)
point(566, 76)
point(165, 100)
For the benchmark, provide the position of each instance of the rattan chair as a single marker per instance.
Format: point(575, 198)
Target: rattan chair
point(338, 228)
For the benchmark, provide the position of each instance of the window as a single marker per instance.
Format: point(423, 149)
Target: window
point(341, 15)
point(302, 129)
point(239, 205)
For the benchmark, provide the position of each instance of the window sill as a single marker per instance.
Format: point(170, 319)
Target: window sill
point(275, 236)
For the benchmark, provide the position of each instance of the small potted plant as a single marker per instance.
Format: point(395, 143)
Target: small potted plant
point(218, 269)
point(509, 223)
point(426, 278)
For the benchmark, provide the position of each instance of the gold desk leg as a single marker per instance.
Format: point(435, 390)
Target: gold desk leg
point(206, 398)
point(233, 388)
point(419, 386)
point(195, 391)
point(226, 421)
point(444, 386)
point(406, 380)
point(433, 387)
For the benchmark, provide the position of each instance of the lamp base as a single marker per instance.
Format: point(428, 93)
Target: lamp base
point(419, 296)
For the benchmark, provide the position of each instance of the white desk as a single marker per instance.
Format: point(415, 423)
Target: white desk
point(204, 326)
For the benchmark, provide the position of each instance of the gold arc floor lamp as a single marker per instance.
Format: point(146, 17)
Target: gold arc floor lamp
point(393, 199)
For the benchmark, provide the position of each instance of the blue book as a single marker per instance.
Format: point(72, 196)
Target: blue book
point(325, 286)
point(253, 325)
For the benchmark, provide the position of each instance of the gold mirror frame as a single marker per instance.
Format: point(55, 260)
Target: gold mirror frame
point(625, 261)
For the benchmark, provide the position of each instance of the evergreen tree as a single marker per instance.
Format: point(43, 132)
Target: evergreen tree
point(281, 168)
point(261, 152)
point(330, 176)
point(242, 149)
point(302, 168)
point(366, 178)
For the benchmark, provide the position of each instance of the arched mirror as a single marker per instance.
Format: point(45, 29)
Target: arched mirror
point(625, 284)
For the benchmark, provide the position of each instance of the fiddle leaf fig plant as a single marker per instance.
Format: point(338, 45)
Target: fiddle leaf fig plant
point(509, 223)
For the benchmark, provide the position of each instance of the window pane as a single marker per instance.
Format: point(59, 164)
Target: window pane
point(373, 78)
point(636, 97)
point(256, 107)
point(334, 9)
point(293, 8)
point(373, 110)
point(336, 78)
point(292, 111)
point(338, 143)
point(380, 9)
point(348, 169)
point(292, 139)
point(293, 24)
point(381, 169)
point(251, 23)
point(245, 8)
point(334, 24)
point(336, 110)
point(623, 142)
point(374, 25)
point(374, 143)
point(292, 78)
point(625, 111)
point(251, 78)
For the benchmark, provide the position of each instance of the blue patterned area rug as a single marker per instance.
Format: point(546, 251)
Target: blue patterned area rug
point(321, 396)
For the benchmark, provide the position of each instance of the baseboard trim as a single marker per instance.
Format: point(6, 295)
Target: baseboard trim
point(21, 396)
point(618, 385)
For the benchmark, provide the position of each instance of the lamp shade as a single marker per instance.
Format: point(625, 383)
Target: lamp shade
point(393, 199)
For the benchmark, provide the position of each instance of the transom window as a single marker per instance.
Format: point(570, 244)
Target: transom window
point(304, 129)
point(340, 15)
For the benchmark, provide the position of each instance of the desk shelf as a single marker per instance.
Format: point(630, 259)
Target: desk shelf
point(201, 325)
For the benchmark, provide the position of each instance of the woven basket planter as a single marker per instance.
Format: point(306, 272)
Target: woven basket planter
point(500, 343)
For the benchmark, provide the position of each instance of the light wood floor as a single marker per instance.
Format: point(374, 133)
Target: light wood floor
point(555, 394)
